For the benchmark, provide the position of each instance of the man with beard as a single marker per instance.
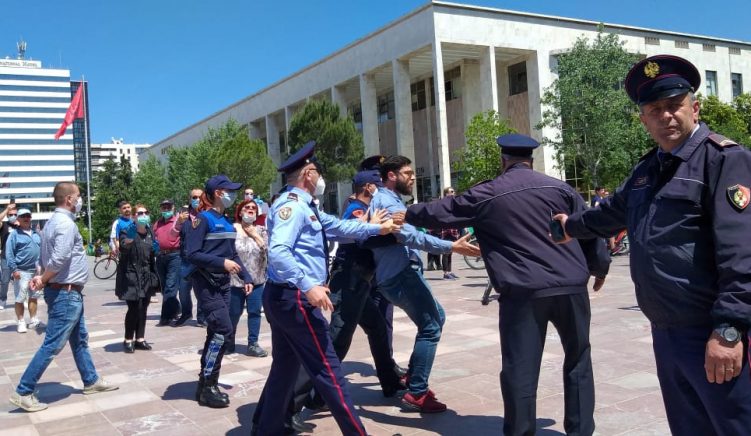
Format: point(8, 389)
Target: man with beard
point(400, 280)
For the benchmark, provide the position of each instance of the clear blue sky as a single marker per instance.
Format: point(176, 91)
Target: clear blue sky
point(157, 66)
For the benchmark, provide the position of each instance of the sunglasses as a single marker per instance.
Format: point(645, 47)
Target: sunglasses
point(142, 212)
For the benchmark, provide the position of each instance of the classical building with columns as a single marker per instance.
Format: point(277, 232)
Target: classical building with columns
point(413, 85)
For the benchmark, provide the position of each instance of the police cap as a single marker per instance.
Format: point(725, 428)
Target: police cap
point(220, 181)
point(371, 163)
point(301, 157)
point(515, 144)
point(368, 176)
point(659, 77)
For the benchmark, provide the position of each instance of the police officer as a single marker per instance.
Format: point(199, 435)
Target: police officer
point(685, 206)
point(538, 280)
point(210, 248)
point(296, 292)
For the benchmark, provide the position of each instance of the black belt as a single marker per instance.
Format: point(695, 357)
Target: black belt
point(282, 285)
point(65, 287)
point(167, 251)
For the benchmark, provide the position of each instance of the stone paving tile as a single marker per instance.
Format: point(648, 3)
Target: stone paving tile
point(158, 387)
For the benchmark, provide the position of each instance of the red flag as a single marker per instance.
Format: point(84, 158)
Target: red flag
point(75, 111)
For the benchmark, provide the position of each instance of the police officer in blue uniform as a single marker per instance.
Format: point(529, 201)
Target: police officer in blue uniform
point(538, 280)
point(685, 206)
point(297, 291)
point(210, 248)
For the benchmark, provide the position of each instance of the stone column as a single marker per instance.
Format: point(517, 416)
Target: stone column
point(444, 164)
point(337, 97)
point(405, 141)
point(272, 148)
point(488, 82)
point(369, 108)
point(429, 125)
point(540, 77)
point(471, 89)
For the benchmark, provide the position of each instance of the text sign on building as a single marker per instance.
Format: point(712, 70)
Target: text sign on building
point(20, 63)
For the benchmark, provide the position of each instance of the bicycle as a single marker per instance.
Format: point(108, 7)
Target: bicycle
point(486, 297)
point(620, 244)
point(474, 262)
point(106, 268)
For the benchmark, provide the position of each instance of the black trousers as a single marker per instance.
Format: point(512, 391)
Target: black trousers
point(446, 262)
point(523, 325)
point(135, 318)
point(219, 332)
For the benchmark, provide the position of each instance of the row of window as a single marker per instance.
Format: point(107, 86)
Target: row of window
point(50, 131)
point(736, 83)
point(16, 185)
point(35, 99)
point(34, 88)
point(34, 78)
point(682, 43)
point(32, 120)
point(37, 173)
point(51, 141)
point(33, 163)
point(35, 152)
point(41, 110)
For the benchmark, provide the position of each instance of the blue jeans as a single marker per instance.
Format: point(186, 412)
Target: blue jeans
point(65, 324)
point(411, 292)
point(186, 303)
point(4, 280)
point(254, 301)
point(168, 268)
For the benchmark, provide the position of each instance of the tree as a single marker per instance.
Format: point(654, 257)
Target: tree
point(339, 145)
point(599, 132)
point(245, 161)
point(150, 185)
point(480, 159)
point(110, 185)
point(728, 119)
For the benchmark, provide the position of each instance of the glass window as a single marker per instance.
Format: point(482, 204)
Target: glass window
point(40, 110)
point(31, 120)
point(30, 131)
point(736, 80)
point(711, 82)
point(418, 96)
point(35, 99)
point(34, 88)
point(386, 108)
point(517, 78)
point(34, 78)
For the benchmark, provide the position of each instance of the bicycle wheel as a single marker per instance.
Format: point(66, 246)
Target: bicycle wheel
point(105, 268)
point(474, 262)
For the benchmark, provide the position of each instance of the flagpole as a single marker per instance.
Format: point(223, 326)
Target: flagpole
point(86, 146)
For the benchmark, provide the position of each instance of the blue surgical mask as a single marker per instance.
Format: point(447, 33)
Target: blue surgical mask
point(143, 220)
point(12, 218)
point(228, 198)
point(167, 214)
point(194, 203)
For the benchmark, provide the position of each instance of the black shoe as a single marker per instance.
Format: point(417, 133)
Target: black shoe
point(210, 395)
point(201, 323)
point(297, 424)
point(129, 347)
point(143, 345)
point(401, 372)
point(181, 321)
point(163, 322)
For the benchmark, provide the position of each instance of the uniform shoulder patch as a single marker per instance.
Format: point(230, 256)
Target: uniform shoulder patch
point(285, 212)
point(739, 196)
point(720, 140)
point(196, 222)
point(292, 196)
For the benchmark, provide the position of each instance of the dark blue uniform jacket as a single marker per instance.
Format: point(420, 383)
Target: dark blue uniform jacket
point(510, 216)
point(211, 240)
point(690, 245)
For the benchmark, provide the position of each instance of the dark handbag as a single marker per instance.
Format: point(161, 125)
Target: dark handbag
point(154, 285)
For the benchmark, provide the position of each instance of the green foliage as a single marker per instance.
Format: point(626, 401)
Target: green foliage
point(599, 130)
point(246, 161)
point(339, 145)
point(150, 185)
point(731, 120)
point(480, 159)
point(110, 185)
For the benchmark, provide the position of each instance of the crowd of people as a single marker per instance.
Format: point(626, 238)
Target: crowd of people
point(683, 206)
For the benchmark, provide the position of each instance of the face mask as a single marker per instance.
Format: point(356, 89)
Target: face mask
point(194, 203)
point(374, 192)
point(79, 204)
point(249, 218)
point(12, 219)
point(248, 197)
point(228, 198)
point(320, 187)
point(143, 220)
point(167, 214)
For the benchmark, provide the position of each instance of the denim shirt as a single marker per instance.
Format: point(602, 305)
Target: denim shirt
point(22, 250)
point(62, 249)
point(393, 259)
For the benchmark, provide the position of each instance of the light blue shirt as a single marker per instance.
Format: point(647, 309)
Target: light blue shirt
point(62, 249)
point(297, 256)
point(22, 250)
point(393, 259)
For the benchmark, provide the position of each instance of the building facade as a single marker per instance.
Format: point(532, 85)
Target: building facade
point(33, 102)
point(413, 85)
point(116, 149)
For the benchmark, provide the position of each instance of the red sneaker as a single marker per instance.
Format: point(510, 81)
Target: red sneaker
point(405, 381)
point(425, 403)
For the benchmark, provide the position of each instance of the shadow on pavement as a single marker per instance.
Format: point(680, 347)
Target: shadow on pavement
point(245, 418)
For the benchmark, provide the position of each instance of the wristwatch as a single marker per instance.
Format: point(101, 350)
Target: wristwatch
point(728, 333)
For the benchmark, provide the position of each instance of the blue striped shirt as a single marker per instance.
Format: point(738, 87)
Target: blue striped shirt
point(62, 249)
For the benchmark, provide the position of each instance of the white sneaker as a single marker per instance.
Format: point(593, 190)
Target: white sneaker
point(2, 306)
point(34, 323)
point(21, 326)
point(101, 385)
point(29, 403)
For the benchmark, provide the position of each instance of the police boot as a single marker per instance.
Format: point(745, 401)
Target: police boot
point(210, 395)
point(215, 381)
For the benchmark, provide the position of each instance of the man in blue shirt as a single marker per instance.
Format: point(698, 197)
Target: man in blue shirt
point(297, 291)
point(22, 253)
point(65, 271)
point(400, 280)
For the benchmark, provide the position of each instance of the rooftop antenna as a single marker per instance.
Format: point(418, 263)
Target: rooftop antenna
point(21, 45)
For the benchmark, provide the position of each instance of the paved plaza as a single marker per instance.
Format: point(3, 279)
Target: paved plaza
point(157, 387)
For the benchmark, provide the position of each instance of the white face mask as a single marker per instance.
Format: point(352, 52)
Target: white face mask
point(249, 218)
point(228, 198)
point(79, 204)
point(320, 187)
point(374, 191)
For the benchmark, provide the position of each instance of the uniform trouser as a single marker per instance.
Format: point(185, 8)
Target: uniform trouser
point(215, 302)
point(695, 406)
point(523, 325)
point(300, 336)
point(387, 311)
